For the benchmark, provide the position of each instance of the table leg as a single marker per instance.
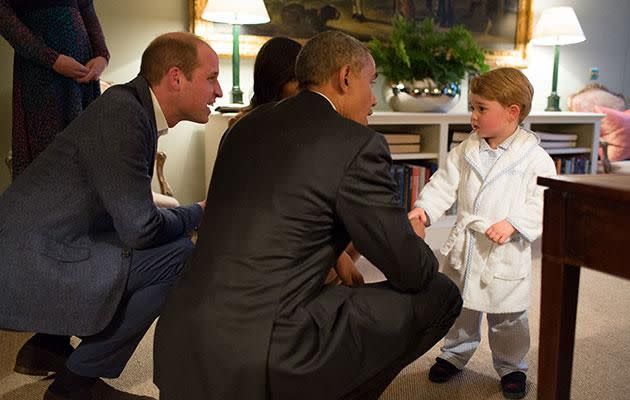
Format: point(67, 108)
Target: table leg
point(558, 309)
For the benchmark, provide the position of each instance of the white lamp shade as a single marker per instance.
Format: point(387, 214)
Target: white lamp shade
point(557, 26)
point(238, 12)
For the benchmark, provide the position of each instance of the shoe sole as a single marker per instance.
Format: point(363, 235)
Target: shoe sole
point(32, 371)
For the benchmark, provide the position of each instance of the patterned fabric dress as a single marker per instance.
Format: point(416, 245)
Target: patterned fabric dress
point(45, 102)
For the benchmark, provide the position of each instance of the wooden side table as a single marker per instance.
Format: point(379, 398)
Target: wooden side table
point(586, 223)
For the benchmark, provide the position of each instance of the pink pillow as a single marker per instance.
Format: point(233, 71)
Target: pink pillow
point(615, 129)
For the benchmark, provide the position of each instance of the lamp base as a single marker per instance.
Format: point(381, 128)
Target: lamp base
point(553, 102)
point(237, 95)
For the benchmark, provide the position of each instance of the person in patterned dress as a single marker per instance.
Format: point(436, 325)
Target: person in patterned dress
point(60, 53)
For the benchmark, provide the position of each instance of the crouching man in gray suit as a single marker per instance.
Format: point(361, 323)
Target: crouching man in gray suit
point(84, 250)
point(294, 181)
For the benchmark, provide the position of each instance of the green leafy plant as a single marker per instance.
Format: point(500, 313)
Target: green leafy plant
point(420, 50)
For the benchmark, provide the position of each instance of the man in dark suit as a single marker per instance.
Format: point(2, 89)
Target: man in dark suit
point(294, 181)
point(84, 250)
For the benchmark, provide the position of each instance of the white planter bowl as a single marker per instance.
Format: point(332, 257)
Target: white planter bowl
point(421, 96)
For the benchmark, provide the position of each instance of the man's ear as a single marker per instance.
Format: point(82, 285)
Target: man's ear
point(343, 78)
point(174, 78)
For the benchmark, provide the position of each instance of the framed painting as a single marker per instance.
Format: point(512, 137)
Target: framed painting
point(502, 27)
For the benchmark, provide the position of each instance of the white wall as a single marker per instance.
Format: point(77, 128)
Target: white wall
point(606, 25)
point(130, 25)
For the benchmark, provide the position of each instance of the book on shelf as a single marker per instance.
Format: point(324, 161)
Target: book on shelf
point(567, 165)
point(404, 148)
point(402, 138)
point(553, 137)
point(558, 144)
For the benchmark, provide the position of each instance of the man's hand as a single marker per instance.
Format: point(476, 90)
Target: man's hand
point(347, 271)
point(500, 232)
point(70, 68)
point(418, 213)
point(202, 204)
point(95, 66)
point(418, 227)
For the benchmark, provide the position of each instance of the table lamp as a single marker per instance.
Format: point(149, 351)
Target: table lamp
point(237, 13)
point(556, 27)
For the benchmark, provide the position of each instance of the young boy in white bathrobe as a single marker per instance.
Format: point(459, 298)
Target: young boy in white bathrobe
point(492, 176)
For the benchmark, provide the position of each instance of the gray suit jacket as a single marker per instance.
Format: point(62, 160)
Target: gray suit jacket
point(70, 222)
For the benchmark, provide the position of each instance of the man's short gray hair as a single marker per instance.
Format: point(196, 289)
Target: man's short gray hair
point(325, 54)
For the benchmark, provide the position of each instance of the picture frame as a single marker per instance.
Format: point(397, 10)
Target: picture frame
point(512, 19)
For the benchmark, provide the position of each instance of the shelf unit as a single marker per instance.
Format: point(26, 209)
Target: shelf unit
point(434, 129)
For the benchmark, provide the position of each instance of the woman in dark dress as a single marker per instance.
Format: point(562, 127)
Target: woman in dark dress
point(60, 53)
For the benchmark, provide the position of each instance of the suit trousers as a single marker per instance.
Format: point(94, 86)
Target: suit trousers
point(153, 271)
point(508, 336)
point(435, 309)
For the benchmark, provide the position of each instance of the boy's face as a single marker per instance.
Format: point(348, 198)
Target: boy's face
point(491, 119)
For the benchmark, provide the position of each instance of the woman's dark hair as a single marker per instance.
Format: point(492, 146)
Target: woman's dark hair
point(274, 66)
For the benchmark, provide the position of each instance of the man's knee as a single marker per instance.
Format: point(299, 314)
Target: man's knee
point(452, 299)
point(440, 302)
point(181, 251)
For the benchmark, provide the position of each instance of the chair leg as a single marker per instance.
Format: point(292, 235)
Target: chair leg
point(165, 188)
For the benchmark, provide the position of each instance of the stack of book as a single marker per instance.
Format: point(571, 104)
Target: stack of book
point(410, 179)
point(400, 143)
point(457, 138)
point(557, 140)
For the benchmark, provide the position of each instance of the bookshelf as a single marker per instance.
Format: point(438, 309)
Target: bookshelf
point(434, 129)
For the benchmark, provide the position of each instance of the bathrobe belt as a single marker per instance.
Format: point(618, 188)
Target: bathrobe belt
point(465, 226)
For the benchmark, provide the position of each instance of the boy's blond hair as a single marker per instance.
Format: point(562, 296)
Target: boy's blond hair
point(507, 86)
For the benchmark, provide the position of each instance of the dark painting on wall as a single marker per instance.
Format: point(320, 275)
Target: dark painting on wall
point(502, 27)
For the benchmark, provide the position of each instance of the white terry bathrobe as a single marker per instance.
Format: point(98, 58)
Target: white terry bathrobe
point(492, 278)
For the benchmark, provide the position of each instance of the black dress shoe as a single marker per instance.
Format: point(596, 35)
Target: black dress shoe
point(513, 385)
point(43, 354)
point(98, 390)
point(442, 371)
point(70, 386)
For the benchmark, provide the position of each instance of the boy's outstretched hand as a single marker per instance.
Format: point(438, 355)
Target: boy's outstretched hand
point(500, 232)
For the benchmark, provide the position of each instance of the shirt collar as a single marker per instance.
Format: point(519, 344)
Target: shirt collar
point(324, 96)
point(484, 146)
point(160, 119)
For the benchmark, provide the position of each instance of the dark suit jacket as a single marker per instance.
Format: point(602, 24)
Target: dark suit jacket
point(293, 182)
point(69, 222)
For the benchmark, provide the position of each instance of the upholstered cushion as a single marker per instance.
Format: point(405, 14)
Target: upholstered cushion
point(615, 130)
